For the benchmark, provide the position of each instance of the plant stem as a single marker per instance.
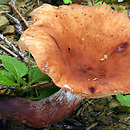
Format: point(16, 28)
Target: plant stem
point(29, 61)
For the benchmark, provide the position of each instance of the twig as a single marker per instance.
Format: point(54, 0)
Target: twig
point(2, 12)
point(91, 126)
point(92, 1)
point(12, 18)
point(1, 65)
point(42, 84)
point(9, 51)
point(11, 45)
point(20, 15)
point(7, 87)
point(103, 1)
point(38, 2)
point(18, 28)
point(17, 25)
point(13, 2)
point(127, 11)
point(30, 9)
point(29, 3)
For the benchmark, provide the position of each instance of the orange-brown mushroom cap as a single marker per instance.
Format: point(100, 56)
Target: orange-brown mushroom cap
point(83, 49)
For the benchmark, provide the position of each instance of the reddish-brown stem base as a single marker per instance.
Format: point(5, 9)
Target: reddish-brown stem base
point(42, 113)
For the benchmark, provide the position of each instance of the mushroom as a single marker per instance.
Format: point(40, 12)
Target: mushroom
point(86, 52)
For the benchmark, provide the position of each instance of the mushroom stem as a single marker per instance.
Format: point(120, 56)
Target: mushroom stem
point(41, 113)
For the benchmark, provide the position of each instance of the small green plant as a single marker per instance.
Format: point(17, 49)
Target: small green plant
point(15, 71)
point(100, 2)
point(67, 1)
point(18, 74)
point(125, 100)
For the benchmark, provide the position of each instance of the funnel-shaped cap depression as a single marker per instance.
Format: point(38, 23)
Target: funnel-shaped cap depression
point(83, 49)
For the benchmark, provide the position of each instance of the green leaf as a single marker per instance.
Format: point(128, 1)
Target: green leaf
point(19, 91)
point(43, 93)
point(15, 66)
point(35, 75)
point(6, 78)
point(120, 0)
point(45, 129)
point(33, 66)
point(21, 81)
point(100, 2)
point(30, 93)
point(125, 100)
point(67, 1)
point(47, 92)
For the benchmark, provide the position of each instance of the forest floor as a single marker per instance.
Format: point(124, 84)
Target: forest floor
point(91, 114)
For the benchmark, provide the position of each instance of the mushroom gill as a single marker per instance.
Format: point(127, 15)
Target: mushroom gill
point(85, 50)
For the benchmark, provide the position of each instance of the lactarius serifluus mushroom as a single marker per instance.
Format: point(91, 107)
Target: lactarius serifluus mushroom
point(86, 52)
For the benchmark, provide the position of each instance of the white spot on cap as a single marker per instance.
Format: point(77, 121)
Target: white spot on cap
point(104, 57)
point(66, 86)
